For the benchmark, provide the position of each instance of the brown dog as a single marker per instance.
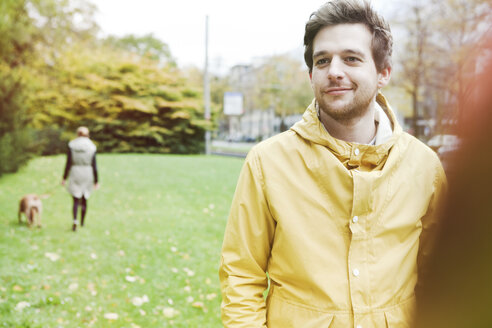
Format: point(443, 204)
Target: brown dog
point(31, 206)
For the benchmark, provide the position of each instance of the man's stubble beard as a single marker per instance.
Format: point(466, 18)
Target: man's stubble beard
point(356, 108)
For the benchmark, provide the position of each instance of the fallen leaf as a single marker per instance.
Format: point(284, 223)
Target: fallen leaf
point(111, 316)
point(52, 256)
point(189, 272)
point(131, 278)
point(17, 288)
point(22, 305)
point(169, 312)
point(92, 288)
point(139, 301)
point(211, 296)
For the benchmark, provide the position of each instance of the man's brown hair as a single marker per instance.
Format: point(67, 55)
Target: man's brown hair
point(351, 12)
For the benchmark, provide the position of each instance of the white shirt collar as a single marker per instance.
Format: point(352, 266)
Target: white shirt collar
point(384, 130)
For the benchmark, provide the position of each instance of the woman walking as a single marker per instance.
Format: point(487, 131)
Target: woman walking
point(81, 170)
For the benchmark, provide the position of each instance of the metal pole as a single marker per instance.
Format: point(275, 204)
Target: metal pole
point(206, 90)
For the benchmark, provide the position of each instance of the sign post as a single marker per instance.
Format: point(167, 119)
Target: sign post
point(206, 90)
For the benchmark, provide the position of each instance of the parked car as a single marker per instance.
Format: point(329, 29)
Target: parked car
point(445, 145)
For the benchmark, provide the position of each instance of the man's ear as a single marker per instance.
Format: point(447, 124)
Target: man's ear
point(384, 77)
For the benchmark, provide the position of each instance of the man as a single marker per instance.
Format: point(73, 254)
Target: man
point(339, 208)
point(81, 165)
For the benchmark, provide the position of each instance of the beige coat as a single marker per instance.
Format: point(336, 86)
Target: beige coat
point(338, 226)
point(81, 178)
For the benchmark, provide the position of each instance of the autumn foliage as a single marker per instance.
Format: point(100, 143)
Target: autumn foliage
point(56, 74)
point(130, 103)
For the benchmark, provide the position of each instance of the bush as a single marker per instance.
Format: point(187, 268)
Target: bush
point(14, 137)
point(14, 151)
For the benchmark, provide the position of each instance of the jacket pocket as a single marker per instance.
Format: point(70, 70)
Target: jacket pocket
point(401, 315)
point(282, 313)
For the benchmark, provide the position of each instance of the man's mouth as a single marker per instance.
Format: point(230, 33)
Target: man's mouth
point(337, 91)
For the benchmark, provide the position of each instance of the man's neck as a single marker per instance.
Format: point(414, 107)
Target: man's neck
point(360, 130)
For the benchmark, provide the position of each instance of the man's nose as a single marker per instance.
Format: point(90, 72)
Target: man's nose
point(335, 70)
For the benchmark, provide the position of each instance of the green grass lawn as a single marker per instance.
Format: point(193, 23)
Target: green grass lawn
point(147, 257)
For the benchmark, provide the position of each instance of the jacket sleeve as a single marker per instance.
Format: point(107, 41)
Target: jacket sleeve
point(68, 164)
point(431, 225)
point(245, 251)
point(94, 168)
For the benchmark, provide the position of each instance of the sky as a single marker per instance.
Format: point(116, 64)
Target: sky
point(239, 31)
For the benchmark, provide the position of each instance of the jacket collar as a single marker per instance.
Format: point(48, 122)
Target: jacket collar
point(369, 156)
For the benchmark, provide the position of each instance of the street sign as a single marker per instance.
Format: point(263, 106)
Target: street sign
point(233, 103)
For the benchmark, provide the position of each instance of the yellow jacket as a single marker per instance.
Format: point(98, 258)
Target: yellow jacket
point(338, 226)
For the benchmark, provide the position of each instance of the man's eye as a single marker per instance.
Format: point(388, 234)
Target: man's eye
point(322, 61)
point(352, 59)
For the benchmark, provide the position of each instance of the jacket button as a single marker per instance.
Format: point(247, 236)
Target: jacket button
point(356, 151)
point(356, 272)
point(355, 219)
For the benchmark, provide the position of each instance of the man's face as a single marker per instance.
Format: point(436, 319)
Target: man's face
point(344, 76)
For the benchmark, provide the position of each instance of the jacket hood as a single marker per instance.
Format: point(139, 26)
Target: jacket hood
point(311, 129)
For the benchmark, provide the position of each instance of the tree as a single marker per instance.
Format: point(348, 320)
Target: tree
point(462, 29)
point(279, 83)
point(282, 83)
point(14, 136)
point(32, 33)
point(16, 47)
point(443, 40)
point(56, 75)
point(145, 46)
point(129, 103)
point(416, 60)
